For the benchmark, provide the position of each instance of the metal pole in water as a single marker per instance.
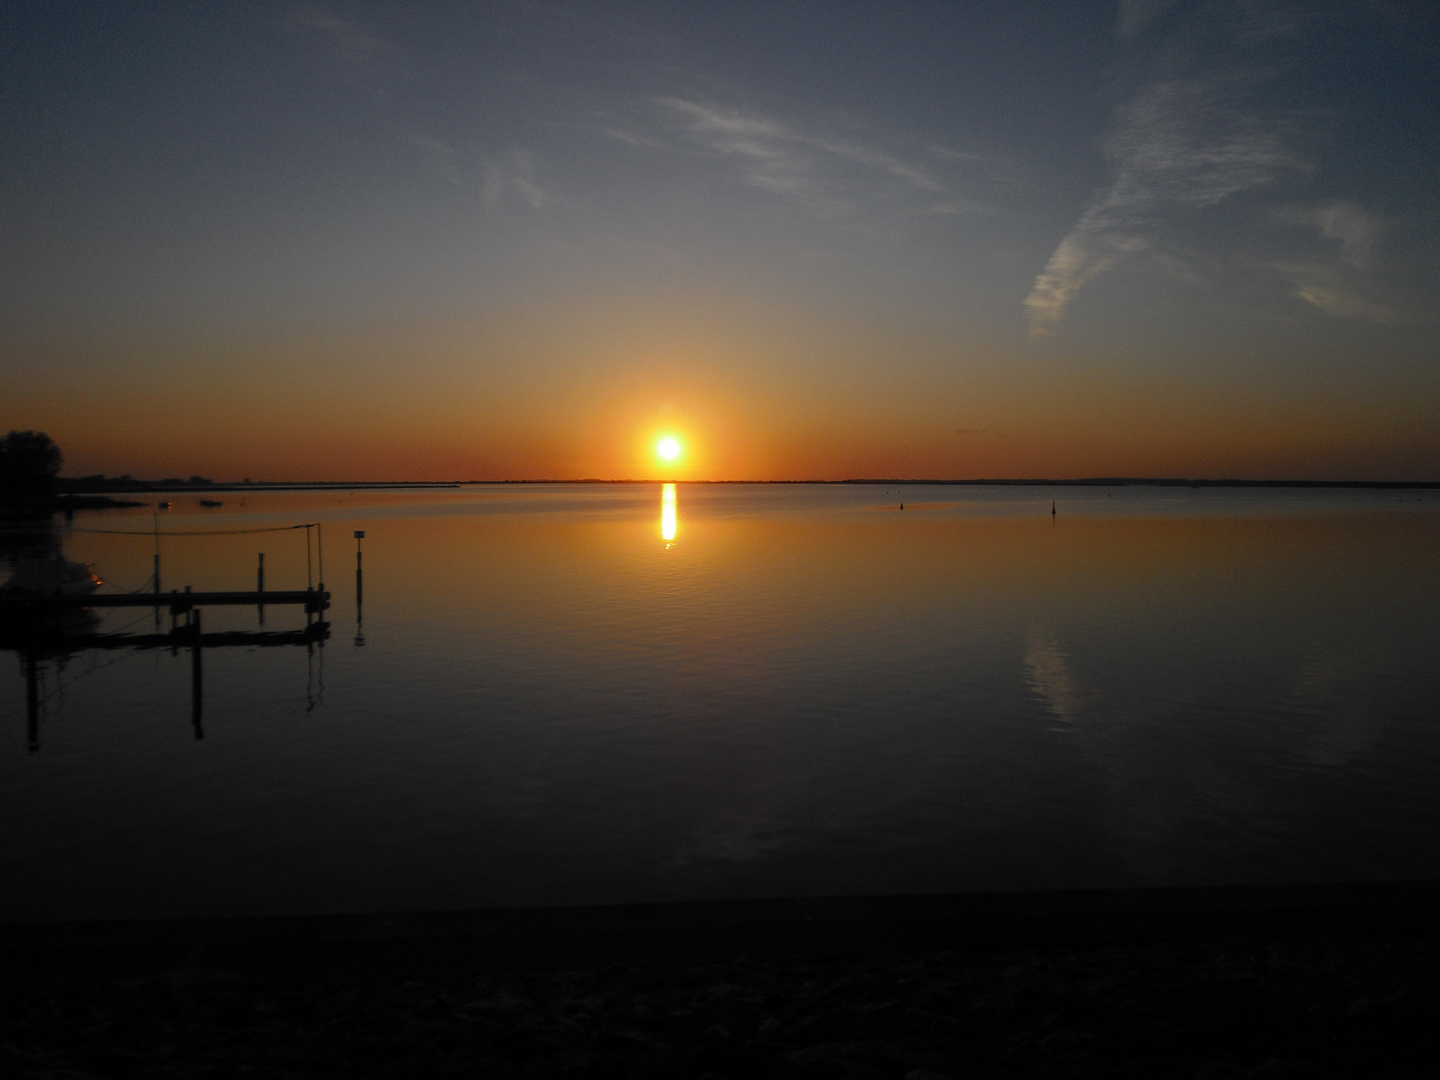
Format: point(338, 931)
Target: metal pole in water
point(359, 590)
point(320, 559)
point(157, 571)
point(260, 586)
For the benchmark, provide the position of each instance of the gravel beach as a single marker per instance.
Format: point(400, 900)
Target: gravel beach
point(1338, 1006)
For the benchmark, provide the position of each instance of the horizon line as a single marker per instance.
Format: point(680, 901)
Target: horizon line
point(75, 485)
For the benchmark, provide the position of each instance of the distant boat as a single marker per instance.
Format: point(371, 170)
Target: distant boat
point(49, 577)
point(211, 502)
point(164, 504)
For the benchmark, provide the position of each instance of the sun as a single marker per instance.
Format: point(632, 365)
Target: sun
point(669, 448)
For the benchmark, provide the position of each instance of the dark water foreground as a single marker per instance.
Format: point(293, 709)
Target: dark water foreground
point(1272, 982)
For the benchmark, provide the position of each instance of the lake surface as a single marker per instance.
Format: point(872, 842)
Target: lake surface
point(567, 694)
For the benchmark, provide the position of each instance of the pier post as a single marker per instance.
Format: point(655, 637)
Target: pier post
point(157, 573)
point(32, 692)
point(260, 586)
point(196, 697)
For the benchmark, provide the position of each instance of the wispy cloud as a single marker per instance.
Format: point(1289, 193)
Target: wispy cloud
point(438, 157)
point(344, 37)
point(875, 159)
point(1136, 15)
point(1345, 304)
point(769, 154)
point(1337, 284)
point(830, 174)
point(630, 137)
point(512, 173)
point(1355, 229)
point(1178, 144)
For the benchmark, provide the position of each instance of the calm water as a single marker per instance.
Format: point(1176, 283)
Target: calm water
point(805, 690)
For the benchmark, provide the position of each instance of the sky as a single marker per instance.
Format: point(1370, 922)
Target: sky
point(351, 241)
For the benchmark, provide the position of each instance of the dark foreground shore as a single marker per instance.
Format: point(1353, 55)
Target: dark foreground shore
point(1320, 981)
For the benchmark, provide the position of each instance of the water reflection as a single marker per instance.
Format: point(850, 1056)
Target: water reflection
point(359, 590)
point(669, 520)
point(1052, 678)
point(828, 698)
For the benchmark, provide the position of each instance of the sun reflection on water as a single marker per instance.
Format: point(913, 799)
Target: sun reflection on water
point(669, 521)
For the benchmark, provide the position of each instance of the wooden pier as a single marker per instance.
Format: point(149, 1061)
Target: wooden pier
point(313, 600)
point(190, 637)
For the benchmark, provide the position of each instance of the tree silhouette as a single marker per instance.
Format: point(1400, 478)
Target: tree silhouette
point(29, 461)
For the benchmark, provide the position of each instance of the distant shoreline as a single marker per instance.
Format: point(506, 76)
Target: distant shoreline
point(72, 488)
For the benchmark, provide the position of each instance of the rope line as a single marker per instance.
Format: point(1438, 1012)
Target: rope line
point(148, 586)
point(133, 622)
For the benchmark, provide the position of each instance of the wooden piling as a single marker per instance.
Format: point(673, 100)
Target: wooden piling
point(197, 696)
point(32, 699)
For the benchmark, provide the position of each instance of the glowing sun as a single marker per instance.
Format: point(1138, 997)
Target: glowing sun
point(669, 448)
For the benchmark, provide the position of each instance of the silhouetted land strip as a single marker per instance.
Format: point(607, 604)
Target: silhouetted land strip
point(1276, 982)
point(71, 487)
point(1130, 481)
point(1096, 481)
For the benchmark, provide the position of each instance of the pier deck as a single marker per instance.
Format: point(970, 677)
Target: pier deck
point(311, 599)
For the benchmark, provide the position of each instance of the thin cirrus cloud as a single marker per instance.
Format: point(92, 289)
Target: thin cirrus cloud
point(1345, 304)
point(1178, 144)
point(438, 157)
point(1356, 230)
point(828, 174)
point(512, 174)
point(341, 36)
point(1331, 286)
point(1137, 15)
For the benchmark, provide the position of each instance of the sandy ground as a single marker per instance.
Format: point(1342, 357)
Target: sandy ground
point(1337, 1006)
